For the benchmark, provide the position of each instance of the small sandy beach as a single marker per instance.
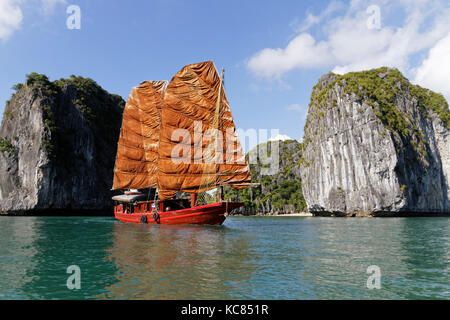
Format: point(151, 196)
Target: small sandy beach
point(300, 214)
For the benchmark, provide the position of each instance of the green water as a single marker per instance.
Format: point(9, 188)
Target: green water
point(246, 258)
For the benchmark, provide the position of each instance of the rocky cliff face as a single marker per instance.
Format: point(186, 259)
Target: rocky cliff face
point(376, 144)
point(280, 187)
point(57, 147)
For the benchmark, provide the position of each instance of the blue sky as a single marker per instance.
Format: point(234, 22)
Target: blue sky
point(273, 52)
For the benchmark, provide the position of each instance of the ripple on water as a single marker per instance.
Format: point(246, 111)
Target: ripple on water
point(247, 258)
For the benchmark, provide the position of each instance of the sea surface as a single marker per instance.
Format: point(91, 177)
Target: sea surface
point(246, 258)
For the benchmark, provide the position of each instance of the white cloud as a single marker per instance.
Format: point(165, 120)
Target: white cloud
point(301, 52)
point(434, 73)
point(10, 18)
point(281, 137)
point(349, 44)
point(11, 13)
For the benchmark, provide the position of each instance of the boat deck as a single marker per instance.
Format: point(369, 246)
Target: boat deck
point(146, 212)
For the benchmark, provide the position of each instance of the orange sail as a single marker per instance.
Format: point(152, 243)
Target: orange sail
point(180, 136)
point(198, 148)
point(137, 152)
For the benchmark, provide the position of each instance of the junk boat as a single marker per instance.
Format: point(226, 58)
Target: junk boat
point(178, 138)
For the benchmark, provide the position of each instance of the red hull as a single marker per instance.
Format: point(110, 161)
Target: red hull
point(211, 214)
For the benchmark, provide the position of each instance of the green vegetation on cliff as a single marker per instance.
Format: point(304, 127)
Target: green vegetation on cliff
point(88, 94)
point(6, 145)
point(280, 192)
point(381, 89)
point(97, 106)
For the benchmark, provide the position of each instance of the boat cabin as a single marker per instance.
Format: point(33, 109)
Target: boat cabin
point(131, 204)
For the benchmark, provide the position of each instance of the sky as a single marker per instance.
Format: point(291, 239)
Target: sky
point(273, 52)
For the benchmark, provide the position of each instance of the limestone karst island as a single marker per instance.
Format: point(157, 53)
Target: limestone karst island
point(228, 157)
point(374, 145)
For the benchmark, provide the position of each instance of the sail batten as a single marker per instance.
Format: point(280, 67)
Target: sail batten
point(137, 151)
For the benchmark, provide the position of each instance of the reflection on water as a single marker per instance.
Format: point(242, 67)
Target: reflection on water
point(16, 261)
point(247, 258)
point(36, 251)
point(175, 262)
